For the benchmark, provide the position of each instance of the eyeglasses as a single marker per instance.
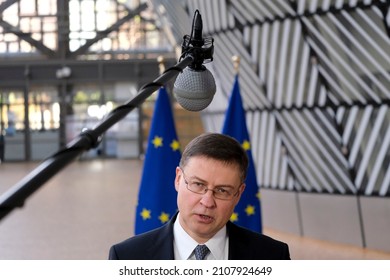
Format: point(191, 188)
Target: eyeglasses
point(223, 193)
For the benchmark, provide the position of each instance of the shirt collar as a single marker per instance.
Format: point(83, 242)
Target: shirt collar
point(218, 245)
point(184, 245)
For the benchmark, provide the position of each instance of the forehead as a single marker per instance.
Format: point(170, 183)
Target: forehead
point(213, 170)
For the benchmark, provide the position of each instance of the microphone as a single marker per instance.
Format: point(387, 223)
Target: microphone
point(195, 87)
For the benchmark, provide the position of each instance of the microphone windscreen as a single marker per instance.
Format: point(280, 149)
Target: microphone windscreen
point(194, 90)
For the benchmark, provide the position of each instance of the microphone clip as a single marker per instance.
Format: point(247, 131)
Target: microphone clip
point(200, 49)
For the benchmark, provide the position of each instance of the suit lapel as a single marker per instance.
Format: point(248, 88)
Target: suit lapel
point(162, 247)
point(239, 247)
point(235, 246)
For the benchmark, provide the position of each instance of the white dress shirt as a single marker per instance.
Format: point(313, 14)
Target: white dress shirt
point(184, 245)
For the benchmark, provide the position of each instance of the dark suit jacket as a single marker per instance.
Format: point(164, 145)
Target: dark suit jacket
point(158, 245)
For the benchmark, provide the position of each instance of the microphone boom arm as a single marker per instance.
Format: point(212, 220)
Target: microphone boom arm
point(16, 195)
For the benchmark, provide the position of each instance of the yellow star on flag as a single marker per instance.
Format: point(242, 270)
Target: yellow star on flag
point(246, 145)
point(145, 214)
point(234, 217)
point(175, 145)
point(250, 210)
point(164, 217)
point(157, 141)
point(258, 195)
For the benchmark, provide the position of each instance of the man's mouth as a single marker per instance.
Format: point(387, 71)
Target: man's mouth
point(205, 218)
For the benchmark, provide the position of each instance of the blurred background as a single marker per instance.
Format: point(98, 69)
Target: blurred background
point(315, 84)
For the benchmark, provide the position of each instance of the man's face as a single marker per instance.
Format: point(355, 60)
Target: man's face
point(202, 215)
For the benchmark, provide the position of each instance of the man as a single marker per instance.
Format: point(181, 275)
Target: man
point(209, 183)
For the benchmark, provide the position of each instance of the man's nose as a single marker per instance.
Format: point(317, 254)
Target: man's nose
point(208, 199)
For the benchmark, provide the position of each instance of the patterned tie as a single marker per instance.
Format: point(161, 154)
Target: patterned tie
point(201, 251)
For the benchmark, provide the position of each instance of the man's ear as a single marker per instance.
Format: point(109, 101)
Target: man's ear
point(177, 178)
point(240, 191)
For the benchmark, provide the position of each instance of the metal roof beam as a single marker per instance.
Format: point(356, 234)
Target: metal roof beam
point(8, 28)
point(6, 4)
point(102, 34)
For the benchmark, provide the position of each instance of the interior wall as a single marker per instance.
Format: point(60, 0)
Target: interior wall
point(354, 220)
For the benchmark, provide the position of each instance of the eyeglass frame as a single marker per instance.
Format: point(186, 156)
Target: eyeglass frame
point(207, 189)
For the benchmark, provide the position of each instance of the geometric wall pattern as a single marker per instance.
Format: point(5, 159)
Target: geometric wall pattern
point(315, 82)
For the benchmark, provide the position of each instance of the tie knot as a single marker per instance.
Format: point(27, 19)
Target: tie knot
point(201, 252)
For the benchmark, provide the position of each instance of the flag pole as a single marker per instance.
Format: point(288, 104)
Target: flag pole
point(87, 139)
point(161, 63)
point(236, 63)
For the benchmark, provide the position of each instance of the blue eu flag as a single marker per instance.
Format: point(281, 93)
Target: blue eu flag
point(157, 194)
point(248, 211)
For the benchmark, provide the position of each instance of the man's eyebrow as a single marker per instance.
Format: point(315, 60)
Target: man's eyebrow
point(198, 179)
point(225, 186)
point(216, 186)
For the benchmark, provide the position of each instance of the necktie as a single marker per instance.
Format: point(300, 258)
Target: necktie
point(201, 251)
